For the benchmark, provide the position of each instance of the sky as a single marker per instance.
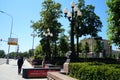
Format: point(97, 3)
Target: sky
point(23, 11)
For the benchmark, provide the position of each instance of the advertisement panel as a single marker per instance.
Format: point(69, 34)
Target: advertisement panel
point(12, 41)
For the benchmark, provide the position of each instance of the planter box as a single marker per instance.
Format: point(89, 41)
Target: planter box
point(37, 72)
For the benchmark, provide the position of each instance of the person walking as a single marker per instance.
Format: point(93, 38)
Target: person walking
point(20, 63)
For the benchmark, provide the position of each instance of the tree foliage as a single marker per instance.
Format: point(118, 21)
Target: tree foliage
point(64, 45)
point(97, 48)
point(51, 12)
point(86, 49)
point(16, 55)
point(89, 22)
point(113, 20)
point(2, 54)
point(39, 51)
point(30, 52)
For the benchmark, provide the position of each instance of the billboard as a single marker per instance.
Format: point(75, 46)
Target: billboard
point(12, 41)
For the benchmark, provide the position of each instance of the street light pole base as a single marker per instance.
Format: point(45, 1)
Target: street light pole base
point(7, 62)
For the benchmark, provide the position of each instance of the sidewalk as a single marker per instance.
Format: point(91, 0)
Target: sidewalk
point(9, 71)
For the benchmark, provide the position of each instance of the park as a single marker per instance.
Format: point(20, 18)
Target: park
point(81, 54)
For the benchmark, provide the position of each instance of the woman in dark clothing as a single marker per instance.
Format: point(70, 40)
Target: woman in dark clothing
point(20, 63)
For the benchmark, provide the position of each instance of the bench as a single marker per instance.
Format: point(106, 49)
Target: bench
point(37, 72)
point(58, 76)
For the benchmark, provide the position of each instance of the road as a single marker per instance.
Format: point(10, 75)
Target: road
point(9, 71)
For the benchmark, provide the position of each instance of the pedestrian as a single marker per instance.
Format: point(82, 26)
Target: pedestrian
point(20, 63)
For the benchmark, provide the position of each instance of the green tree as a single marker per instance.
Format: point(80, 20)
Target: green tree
point(85, 49)
point(113, 31)
point(16, 55)
point(79, 50)
point(97, 48)
point(39, 51)
point(24, 54)
point(64, 45)
point(51, 12)
point(119, 55)
point(89, 23)
point(12, 54)
point(80, 47)
point(2, 54)
point(30, 53)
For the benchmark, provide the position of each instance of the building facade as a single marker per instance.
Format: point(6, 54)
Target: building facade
point(107, 49)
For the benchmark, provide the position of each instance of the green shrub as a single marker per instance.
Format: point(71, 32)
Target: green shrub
point(94, 71)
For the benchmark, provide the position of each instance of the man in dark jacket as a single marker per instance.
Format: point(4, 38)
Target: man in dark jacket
point(20, 63)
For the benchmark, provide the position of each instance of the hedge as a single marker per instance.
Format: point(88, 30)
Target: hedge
point(94, 71)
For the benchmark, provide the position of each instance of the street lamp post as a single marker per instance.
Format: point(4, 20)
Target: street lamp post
point(7, 62)
point(47, 34)
point(72, 17)
point(17, 49)
point(33, 35)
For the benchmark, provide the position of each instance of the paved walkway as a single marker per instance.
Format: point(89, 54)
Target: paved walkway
point(9, 71)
